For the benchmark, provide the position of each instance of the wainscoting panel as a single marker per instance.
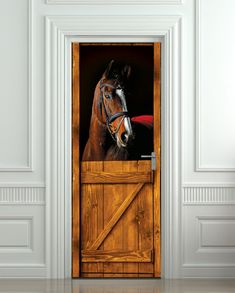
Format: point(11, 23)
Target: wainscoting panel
point(16, 233)
point(22, 240)
point(22, 230)
point(16, 87)
point(217, 232)
point(208, 238)
point(208, 195)
point(22, 196)
point(215, 83)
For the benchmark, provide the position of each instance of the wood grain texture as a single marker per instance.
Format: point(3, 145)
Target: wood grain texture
point(157, 149)
point(130, 227)
point(124, 226)
point(92, 214)
point(75, 163)
point(117, 275)
point(116, 177)
point(116, 256)
point(121, 230)
point(145, 218)
point(113, 198)
point(116, 217)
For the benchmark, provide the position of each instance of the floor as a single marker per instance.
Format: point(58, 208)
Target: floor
point(118, 286)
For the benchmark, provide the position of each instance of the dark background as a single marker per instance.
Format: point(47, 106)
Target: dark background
point(93, 61)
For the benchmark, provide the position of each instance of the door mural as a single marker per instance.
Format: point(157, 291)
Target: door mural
point(116, 190)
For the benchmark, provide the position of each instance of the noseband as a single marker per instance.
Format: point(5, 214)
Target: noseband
point(112, 118)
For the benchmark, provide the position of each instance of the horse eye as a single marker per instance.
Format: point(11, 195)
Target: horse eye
point(108, 96)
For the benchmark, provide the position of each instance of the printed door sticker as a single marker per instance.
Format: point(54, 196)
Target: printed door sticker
point(116, 191)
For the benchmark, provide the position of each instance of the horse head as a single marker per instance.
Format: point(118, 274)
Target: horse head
point(112, 102)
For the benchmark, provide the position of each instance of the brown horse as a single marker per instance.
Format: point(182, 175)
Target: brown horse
point(110, 126)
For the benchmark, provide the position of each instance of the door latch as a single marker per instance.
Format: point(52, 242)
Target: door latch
point(153, 160)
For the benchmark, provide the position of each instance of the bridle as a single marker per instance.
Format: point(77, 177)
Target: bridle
point(110, 119)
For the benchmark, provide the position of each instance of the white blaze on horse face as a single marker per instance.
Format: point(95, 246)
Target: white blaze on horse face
point(121, 95)
point(127, 122)
point(127, 125)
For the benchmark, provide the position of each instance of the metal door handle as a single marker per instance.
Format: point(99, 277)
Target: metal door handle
point(153, 160)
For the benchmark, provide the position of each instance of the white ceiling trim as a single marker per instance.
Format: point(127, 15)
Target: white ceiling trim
point(115, 2)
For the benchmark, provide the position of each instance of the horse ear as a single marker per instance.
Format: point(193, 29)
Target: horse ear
point(108, 69)
point(126, 71)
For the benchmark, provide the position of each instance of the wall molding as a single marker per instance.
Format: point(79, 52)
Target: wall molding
point(17, 248)
point(19, 270)
point(209, 266)
point(60, 32)
point(206, 261)
point(23, 266)
point(207, 249)
point(217, 271)
point(200, 167)
point(208, 196)
point(29, 166)
point(213, 220)
point(115, 2)
point(22, 184)
point(208, 184)
point(22, 196)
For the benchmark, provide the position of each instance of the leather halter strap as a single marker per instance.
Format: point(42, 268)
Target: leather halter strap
point(116, 115)
point(112, 118)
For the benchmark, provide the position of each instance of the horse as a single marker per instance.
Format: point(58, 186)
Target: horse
point(113, 135)
point(110, 126)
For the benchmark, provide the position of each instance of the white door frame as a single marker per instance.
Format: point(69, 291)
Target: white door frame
point(61, 31)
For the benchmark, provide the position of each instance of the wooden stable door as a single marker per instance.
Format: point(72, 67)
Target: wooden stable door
point(116, 204)
point(117, 219)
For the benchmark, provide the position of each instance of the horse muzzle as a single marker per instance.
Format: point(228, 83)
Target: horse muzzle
point(126, 136)
point(123, 141)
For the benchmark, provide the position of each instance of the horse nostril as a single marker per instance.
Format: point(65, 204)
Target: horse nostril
point(124, 137)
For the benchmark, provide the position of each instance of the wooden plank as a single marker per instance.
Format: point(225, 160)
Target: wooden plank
point(117, 275)
point(116, 177)
point(85, 218)
point(116, 256)
point(130, 226)
point(145, 218)
point(118, 44)
point(92, 213)
point(75, 164)
point(157, 149)
point(113, 198)
point(116, 217)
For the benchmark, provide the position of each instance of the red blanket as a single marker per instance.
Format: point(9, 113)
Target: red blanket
point(146, 120)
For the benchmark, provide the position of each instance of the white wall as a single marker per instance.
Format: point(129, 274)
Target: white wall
point(199, 42)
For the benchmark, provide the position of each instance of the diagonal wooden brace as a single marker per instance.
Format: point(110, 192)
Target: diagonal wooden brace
point(116, 217)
